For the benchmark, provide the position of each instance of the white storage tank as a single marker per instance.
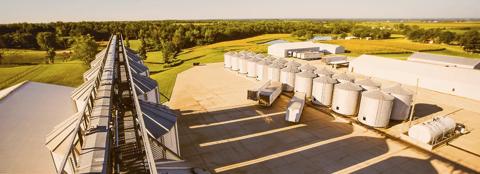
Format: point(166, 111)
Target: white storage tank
point(260, 56)
point(304, 82)
point(262, 69)
point(242, 64)
point(252, 67)
point(345, 98)
point(432, 131)
point(234, 61)
point(343, 77)
point(287, 77)
point(227, 57)
point(293, 63)
point(324, 72)
point(368, 84)
point(375, 108)
point(274, 72)
point(322, 91)
point(280, 61)
point(402, 102)
point(308, 67)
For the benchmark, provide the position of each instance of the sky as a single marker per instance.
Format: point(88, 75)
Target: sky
point(13, 11)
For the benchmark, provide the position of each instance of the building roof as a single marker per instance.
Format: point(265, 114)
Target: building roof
point(299, 45)
point(143, 84)
point(453, 61)
point(27, 114)
point(456, 81)
point(159, 119)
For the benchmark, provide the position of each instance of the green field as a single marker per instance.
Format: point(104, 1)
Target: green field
point(428, 25)
point(62, 73)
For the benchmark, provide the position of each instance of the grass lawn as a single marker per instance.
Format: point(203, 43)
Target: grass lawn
point(62, 73)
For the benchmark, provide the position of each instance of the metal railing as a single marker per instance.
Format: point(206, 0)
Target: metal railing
point(84, 117)
point(146, 143)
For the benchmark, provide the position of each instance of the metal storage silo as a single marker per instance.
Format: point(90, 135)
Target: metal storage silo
point(287, 77)
point(322, 91)
point(227, 59)
point(324, 72)
point(307, 67)
point(304, 82)
point(274, 71)
point(260, 56)
point(375, 108)
point(368, 84)
point(293, 63)
point(343, 77)
point(252, 67)
point(262, 69)
point(433, 130)
point(234, 61)
point(242, 64)
point(280, 61)
point(402, 102)
point(270, 58)
point(345, 98)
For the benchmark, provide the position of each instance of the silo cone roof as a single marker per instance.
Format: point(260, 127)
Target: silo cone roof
point(377, 94)
point(260, 56)
point(307, 74)
point(280, 60)
point(83, 90)
point(324, 79)
point(293, 63)
point(158, 118)
point(276, 65)
point(254, 59)
point(264, 62)
point(343, 76)
point(291, 68)
point(58, 140)
point(251, 54)
point(367, 82)
point(324, 71)
point(137, 67)
point(348, 86)
point(398, 89)
point(308, 67)
point(143, 84)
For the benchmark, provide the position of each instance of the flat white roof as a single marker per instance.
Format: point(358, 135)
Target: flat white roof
point(299, 45)
point(27, 115)
point(445, 60)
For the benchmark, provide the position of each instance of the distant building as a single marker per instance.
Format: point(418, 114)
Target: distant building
point(28, 111)
point(451, 61)
point(351, 38)
point(320, 38)
point(287, 49)
point(456, 81)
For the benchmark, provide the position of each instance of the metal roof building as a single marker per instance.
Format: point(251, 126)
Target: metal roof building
point(450, 61)
point(282, 49)
point(28, 111)
point(456, 81)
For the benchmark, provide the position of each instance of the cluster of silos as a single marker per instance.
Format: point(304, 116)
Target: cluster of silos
point(287, 75)
point(274, 69)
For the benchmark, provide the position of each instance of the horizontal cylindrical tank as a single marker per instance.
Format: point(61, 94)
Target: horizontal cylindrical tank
point(345, 98)
point(343, 77)
point(262, 69)
point(304, 82)
point(287, 77)
point(274, 71)
point(402, 102)
point(227, 60)
point(307, 67)
point(324, 72)
point(242, 64)
point(368, 84)
point(322, 91)
point(375, 108)
point(432, 131)
point(234, 60)
point(252, 67)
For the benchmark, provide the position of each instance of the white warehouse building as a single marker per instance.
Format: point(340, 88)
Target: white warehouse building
point(451, 61)
point(451, 80)
point(283, 49)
